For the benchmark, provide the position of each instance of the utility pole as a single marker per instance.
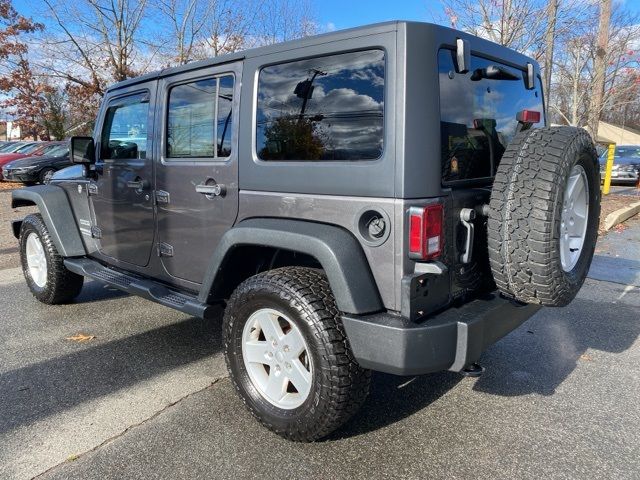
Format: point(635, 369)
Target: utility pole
point(600, 67)
point(304, 90)
point(549, 40)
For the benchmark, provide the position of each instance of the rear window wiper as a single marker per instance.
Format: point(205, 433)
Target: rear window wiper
point(493, 72)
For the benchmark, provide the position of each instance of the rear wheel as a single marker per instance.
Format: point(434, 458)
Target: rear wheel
point(46, 174)
point(543, 220)
point(43, 268)
point(288, 355)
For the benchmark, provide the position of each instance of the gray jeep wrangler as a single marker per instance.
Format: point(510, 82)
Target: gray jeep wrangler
point(383, 198)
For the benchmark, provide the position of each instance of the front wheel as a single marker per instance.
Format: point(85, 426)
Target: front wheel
point(288, 355)
point(43, 267)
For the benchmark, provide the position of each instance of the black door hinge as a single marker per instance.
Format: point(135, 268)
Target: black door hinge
point(165, 250)
point(96, 232)
point(92, 188)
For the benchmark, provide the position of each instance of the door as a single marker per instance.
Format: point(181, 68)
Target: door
point(121, 195)
point(197, 175)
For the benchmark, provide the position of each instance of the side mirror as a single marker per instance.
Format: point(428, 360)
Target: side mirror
point(83, 150)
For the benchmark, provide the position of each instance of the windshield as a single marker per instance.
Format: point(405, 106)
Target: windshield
point(28, 148)
point(7, 147)
point(12, 147)
point(58, 151)
point(624, 154)
point(628, 152)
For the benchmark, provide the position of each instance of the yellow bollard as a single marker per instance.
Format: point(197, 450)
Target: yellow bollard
point(609, 167)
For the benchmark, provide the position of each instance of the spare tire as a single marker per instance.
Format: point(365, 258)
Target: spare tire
point(544, 214)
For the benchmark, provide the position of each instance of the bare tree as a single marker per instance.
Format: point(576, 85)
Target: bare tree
point(284, 20)
point(187, 20)
point(599, 67)
point(518, 24)
point(92, 35)
point(549, 44)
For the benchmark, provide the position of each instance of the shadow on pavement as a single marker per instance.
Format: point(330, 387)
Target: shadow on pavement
point(37, 391)
point(94, 291)
point(393, 398)
point(542, 353)
point(535, 358)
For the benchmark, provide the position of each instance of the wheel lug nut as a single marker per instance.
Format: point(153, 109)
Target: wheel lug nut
point(270, 354)
point(288, 366)
point(286, 348)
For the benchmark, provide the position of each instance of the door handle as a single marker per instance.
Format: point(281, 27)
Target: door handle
point(138, 184)
point(215, 190)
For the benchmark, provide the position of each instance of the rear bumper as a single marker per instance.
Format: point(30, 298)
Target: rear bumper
point(447, 341)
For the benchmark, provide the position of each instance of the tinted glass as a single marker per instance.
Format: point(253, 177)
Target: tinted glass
point(28, 148)
point(632, 152)
point(325, 108)
point(478, 114)
point(197, 127)
point(58, 151)
point(124, 133)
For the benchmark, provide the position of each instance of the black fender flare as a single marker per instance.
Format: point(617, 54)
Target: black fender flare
point(336, 249)
point(57, 214)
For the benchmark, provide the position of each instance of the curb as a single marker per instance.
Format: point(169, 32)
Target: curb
point(621, 215)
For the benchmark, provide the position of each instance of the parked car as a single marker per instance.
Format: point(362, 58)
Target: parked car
point(37, 169)
point(28, 150)
point(383, 198)
point(626, 165)
point(13, 146)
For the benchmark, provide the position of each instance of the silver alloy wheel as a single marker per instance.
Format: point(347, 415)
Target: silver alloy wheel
point(47, 176)
point(277, 358)
point(36, 260)
point(575, 213)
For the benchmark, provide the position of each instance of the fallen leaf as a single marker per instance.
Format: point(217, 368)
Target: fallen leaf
point(586, 357)
point(72, 458)
point(81, 337)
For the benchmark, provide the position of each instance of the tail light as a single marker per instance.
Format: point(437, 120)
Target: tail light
point(425, 232)
point(528, 116)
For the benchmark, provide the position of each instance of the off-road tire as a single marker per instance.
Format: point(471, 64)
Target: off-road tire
point(525, 215)
point(339, 384)
point(61, 285)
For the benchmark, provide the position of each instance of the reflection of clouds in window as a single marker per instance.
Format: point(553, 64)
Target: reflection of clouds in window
point(478, 118)
point(344, 111)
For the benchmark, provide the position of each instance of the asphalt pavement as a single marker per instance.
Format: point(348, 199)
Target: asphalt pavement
point(114, 386)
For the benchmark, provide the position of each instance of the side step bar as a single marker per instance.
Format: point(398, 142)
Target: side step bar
point(142, 287)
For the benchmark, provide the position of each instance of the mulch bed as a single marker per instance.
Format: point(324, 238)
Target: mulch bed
point(10, 185)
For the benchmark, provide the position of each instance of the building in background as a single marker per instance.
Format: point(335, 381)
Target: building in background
point(9, 131)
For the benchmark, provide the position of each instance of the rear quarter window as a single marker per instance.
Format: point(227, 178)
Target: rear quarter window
point(322, 109)
point(478, 115)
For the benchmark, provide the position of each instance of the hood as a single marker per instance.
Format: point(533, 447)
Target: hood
point(35, 160)
point(7, 157)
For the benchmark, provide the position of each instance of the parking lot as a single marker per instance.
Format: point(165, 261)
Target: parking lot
point(114, 386)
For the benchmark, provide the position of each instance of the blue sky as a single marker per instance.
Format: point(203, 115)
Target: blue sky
point(339, 14)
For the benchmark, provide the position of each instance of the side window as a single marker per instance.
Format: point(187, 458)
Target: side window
point(124, 132)
point(322, 109)
point(199, 119)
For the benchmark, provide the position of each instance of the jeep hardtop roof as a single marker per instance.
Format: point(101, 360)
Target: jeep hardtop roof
point(438, 34)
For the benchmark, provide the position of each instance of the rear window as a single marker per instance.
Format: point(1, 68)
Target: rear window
point(324, 108)
point(478, 115)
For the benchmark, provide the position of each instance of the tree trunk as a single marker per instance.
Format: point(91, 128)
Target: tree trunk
point(599, 67)
point(552, 13)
